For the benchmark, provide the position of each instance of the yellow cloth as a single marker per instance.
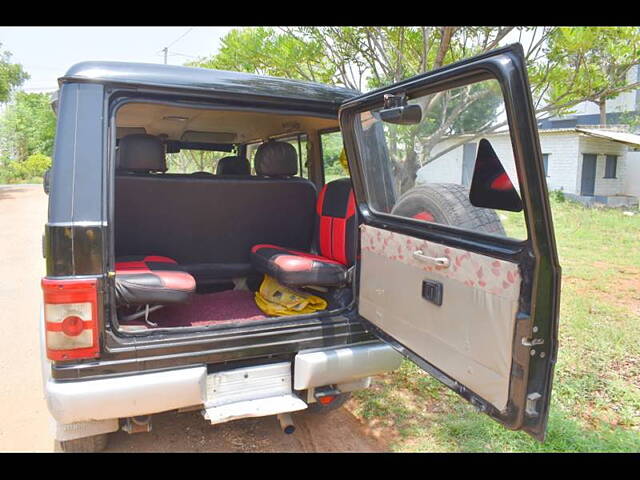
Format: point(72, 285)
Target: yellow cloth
point(275, 299)
point(344, 162)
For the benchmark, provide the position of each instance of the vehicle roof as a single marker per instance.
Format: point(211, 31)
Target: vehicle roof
point(173, 76)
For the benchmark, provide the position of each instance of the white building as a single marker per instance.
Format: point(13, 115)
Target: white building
point(590, 165)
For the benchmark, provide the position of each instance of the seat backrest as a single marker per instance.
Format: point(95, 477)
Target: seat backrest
point(276, 160)
point(141, 153)
point(233, 166)
point(214, 219)
point(336, 221)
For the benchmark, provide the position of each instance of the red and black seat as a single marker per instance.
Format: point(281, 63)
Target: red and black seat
point(335, 243)
point(152, 280)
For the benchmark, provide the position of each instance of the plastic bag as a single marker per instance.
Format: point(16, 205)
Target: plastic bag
point(278, 300)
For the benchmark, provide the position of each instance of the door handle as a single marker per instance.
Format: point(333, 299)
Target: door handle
point(442, 262)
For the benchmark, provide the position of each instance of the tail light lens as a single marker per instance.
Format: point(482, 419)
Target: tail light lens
point(71, 318)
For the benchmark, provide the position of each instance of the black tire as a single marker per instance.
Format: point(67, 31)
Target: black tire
point(46, 181)
point(448, 204)
point(95, 443)
point(319, 408)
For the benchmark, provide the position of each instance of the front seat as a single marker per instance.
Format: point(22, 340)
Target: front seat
point(335, 243)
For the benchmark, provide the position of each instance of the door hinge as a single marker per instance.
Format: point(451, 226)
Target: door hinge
point(530, 342)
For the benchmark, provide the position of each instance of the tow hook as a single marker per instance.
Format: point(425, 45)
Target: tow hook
point(286, 423)
point(141, 424)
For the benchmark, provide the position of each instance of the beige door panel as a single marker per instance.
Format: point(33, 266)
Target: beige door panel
point(470, 335)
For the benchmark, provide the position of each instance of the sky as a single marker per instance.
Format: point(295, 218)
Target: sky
point(46, 53)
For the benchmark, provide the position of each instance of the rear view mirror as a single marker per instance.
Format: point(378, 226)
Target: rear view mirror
point(404, 115)
point(491, 186)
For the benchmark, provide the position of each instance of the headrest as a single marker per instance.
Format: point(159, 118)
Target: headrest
point(233, 166)
point(276, 159)
point(141, 153)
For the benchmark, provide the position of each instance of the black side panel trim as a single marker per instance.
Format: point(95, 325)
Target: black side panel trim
point(73, 250)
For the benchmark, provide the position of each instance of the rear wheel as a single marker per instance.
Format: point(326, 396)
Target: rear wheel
point(448, 204)
point(95, 443)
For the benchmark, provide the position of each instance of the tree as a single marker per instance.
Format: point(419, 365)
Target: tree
point(28, 126)
point(11, 75)
point(365, 58)
point(591, 64)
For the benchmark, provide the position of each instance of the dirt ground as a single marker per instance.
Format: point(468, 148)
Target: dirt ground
point(24, 420)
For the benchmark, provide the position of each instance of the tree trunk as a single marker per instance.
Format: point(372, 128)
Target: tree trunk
point(602, 104)
point(411, 165)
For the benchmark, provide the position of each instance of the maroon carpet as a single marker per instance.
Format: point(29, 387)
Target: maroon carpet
point(208, 309)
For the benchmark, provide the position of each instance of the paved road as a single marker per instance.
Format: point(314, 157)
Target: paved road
point(24, 424)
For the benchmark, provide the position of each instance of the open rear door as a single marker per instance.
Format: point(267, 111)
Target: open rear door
point(458, 267)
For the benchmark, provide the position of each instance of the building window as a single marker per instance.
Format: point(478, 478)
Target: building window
point(545, 161)
point(611, 166)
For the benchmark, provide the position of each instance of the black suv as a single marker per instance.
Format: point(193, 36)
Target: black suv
point(434, 242)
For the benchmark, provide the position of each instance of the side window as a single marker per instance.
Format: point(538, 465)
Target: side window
point(610, 166)
point(445, 158)
point(251, 153)
point(189, 161)
point(545, 159)
point(332, 146)
point(300, 144)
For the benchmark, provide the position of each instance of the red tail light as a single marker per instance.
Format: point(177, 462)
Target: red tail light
point(71, 318)
point(326, 399)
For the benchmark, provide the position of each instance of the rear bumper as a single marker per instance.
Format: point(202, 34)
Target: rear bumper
point(127, 396)
point(148, 393)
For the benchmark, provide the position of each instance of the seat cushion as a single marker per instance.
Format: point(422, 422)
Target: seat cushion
point(152, 279)
point(293, 267)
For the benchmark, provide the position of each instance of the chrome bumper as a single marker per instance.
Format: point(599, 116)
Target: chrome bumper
point(148, 393)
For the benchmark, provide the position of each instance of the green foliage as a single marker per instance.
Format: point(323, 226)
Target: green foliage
point(30, 170)
point(331, 148)
point(557, 196)
point(11, 75)
point(27, 126)
point(264, 51)
point(588, 63)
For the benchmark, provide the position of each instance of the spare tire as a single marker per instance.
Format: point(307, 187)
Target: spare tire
point(448, 204)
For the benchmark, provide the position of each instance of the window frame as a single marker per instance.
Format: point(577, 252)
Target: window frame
point(326, 131)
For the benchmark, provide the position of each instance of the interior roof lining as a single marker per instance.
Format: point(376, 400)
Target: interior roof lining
point(247, 125)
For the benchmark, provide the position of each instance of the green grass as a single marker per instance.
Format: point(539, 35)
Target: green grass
point(596, 395)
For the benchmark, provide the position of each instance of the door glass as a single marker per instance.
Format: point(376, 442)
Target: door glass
point(421, 164)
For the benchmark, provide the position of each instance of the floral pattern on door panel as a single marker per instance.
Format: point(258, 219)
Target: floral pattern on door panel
point(491, 275)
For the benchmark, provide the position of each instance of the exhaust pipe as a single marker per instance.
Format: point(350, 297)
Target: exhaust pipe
point(138, 424)
point(286, 423)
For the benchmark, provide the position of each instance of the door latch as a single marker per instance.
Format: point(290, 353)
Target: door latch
point(432, 291)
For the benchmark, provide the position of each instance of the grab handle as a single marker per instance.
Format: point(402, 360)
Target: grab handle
point(442, 262)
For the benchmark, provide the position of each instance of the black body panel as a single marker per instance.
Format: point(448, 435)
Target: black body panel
point(218, 81)
point(131, 353)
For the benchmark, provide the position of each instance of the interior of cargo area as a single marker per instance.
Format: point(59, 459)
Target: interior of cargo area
point(224, 217)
